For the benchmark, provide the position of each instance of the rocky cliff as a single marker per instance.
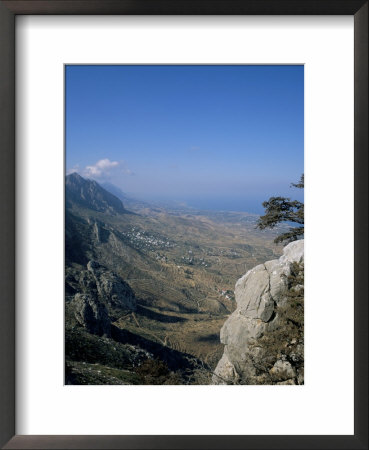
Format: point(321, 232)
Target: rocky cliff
point(263, 337)
point(94, 294)
point(89, 194)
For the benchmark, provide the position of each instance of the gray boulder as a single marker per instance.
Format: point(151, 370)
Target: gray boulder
point(282, 370)
point(225, 372)
point(258, 294)
point(253, 295)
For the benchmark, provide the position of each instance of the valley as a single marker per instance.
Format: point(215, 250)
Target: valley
point(181, 265)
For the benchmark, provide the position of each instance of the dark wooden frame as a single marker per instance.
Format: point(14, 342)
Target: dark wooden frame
point(8, 11)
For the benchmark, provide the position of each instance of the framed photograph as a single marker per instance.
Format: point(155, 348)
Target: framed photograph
point(154, 159)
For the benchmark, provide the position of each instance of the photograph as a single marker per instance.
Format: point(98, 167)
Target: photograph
point(184, 224)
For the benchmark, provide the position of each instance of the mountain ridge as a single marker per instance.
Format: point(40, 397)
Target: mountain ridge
point(90, 194)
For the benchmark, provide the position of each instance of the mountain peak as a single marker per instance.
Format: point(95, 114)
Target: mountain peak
point(75, 176)
point(89, 194)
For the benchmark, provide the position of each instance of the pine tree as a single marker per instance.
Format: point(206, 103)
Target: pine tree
point(282, 209)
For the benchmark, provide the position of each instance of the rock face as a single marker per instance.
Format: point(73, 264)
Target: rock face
point(91, 314)
point(94, 294)
point(89, 194)
point(103, 285)
point(259, 294)
point(111, 289)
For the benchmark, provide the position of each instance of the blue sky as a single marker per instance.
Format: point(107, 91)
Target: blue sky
point(216, 137)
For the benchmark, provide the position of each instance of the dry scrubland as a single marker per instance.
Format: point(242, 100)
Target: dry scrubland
point(182, 266)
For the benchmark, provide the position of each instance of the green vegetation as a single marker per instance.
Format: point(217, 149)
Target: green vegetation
point(282, 209)
point(286, 342)
point(125, 358)
point(83, 346)
point(155, 371)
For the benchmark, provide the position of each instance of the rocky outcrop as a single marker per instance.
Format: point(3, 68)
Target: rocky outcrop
point(91, 314)
point(93, 294)
point(260, 295)
point(101, 284)
point(111, 289)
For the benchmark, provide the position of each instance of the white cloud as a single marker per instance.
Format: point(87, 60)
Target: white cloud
point(101, 168)
point(73, 169)
point(104, 169)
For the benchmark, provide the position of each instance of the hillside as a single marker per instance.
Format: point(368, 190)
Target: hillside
point(178, 267)
point(264, 337)
point(89, 194)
